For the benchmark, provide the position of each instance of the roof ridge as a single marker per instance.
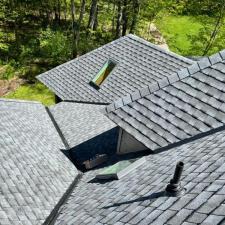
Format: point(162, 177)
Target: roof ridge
point(180, 75)
point(131, 36)
point(173, 54)
point(19, 101)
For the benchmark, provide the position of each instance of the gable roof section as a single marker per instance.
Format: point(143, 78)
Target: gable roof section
point(139, 63)
point(136, 198)
point(176, 108)
point(80, 122)
point(34, 173)
point(87, 131)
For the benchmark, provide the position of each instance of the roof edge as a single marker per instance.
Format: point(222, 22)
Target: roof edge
point(19, 101)
point(131, 36)
point(82, 56)
point(180, 75)
point(158, 48)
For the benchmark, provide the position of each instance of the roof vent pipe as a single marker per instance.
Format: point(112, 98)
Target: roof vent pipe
point(174, 187)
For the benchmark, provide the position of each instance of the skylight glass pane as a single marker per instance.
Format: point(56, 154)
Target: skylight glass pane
point(120, 169)
point(103, 73)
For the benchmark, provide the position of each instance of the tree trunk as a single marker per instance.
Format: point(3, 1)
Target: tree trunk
point(72, 4)
point(119, 19)
point(65, 10)
point(59, 11)
point(113, 18)
point(217, 27)
point(96, 20)
point(93, 14)
point(124, 18)
point(136, 10)
point(77, 33)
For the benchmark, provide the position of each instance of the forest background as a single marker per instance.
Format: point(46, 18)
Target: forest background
point(36, 36)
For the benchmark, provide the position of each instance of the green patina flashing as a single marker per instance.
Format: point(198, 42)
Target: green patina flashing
point(120, 169)
point(116, 167)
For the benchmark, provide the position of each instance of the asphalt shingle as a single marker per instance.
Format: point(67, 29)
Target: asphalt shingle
point(87, 131)
point(34, 173)
point(138, 198)
point(174, 112)
point(140, 63)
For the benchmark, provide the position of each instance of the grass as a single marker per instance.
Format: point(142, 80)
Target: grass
point(177, 31)
point(33, 92)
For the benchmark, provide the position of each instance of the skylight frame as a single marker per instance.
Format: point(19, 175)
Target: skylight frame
point(100, 73)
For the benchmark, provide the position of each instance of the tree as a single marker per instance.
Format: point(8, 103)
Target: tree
point(135, 15)
point(212, 14)
point(77, 26)
point(93, 16)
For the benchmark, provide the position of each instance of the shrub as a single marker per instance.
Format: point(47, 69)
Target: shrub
point(55, 46)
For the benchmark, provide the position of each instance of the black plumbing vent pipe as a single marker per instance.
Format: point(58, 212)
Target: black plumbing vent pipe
point(174, 188)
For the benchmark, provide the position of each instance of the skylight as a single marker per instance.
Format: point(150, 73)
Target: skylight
point(103, 73)
point(120, 169)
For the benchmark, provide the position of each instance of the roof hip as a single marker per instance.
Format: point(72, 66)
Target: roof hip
point(177, 76)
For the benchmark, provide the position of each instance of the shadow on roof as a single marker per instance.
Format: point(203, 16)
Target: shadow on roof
point(104, 143)
point(190, 139)
point(141, 199)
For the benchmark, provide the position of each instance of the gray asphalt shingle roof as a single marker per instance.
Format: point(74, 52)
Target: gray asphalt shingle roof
point(140, 63)
point(80, 122)
point(179, 107)
point(133, 199)
point(87, 131)
point(34, 173)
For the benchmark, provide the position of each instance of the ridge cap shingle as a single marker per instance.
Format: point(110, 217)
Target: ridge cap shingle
point(166, 81)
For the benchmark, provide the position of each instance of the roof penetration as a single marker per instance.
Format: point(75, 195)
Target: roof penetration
point(139, 197)
point(188, 103)
point(103, 73)
point(139, 63)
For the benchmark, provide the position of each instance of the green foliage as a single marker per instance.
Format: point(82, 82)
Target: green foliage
point(54, 45)
point(34, 92)
point(200, 40)
point(38, 35)
point(204, 7)
point(29, 72)
point(178, 31)
point(7, 72)
point(154, 7)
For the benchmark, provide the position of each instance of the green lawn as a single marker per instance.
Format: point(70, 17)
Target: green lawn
point(34, 92)
point(177, 31)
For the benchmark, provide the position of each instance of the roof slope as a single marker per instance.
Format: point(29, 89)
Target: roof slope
point(80, 122)
point(179, 107)
point(87, 131)
point(34, 173)
point(133, 199)
point(139, 64)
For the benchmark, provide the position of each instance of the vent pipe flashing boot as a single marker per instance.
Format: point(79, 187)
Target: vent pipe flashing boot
point(174, 188)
